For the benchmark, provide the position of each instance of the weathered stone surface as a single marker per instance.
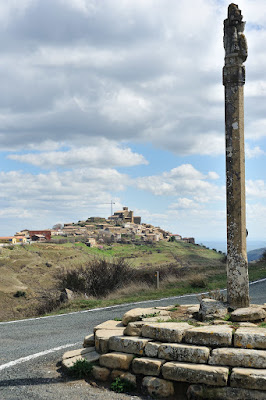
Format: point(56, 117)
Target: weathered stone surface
point(116, 360)
point(166, 308)
point(159, 318)
point(210, 335)
point(100, 373)
point(136, 314)
point(133, 328)
point(151, 349)
point(184, 353)
point(89, 340)
point(127, 376)
point(238, 358)
point(78, 352)
point(116, 373)
point(193, 308)
point(195, 373)
point(234, 80)
point(110, 324)
point(250, 338)
point(91, 357)
point(128, 344)
point(102, 337)
point(156, 387)
point(248, 378)
point(210, 309)
point(199, 392)
point(66, 295)
point(248, 314)
point(147, 366)
point(221, 322)
point(165, 332)
point(247, 324)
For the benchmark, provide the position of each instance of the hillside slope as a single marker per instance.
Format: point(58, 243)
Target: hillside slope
point(32, 272)
point(256, 254)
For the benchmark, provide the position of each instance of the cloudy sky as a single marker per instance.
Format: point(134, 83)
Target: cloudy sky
point(123, 100)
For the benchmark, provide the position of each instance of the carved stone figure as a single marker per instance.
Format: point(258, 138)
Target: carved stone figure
point(235, 43)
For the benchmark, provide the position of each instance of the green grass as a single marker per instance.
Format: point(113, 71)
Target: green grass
point(25, 269)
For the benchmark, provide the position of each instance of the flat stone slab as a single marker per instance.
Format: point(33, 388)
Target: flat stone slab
point(102, 337)
point(184, 353)
point(248, 314)
point(159, 318)
point(210, 309)
point(248, 378)
point(165, 332)
point(127, 376)
point(193, 308)
point(91, 357)
point(250, 338)
point(89, 340)
point(110, 324)
point(238, 358)
point(195, 373)
point(137, 314)
point(133, 328)
point(147, 366)
point(247, 324)
point(116, 360)
point(151, 349)
point(100, 373)
point(78, 352)
point(128, 344)
point(199, 392)
point(166, 308)
point(213, 335)
point(156, 387)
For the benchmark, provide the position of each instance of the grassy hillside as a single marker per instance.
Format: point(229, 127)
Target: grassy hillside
point(256, 254)
point(32, 273)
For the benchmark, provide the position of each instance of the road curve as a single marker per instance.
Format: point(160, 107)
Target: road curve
point(31, 345)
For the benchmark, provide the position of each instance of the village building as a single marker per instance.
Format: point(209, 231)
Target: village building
point(45, 233)
point(125, 216)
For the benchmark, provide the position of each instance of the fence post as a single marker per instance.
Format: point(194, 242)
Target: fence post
point(157, 279)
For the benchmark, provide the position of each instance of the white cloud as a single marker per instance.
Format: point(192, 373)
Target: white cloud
point(183, 204)
point(254, 152)
point(256, 188)
point(125, 106)
point(103, 154)
point(183, 181)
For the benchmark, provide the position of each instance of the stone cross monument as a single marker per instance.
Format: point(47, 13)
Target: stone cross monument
point(235, 46)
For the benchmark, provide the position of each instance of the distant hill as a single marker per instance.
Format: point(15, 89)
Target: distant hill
point(256, 254)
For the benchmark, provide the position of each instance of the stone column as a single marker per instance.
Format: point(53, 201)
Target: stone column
point(234, 79)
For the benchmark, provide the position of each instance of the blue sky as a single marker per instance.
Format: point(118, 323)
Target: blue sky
point(123, 100)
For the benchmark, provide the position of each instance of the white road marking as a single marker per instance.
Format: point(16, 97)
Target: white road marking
point(117, 306)
point(103, 308)
point(36, 355)
point(43, 353)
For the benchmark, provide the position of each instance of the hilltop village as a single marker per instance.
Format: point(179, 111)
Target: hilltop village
point(121, 227)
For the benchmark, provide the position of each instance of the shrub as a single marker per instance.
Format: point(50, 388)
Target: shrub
point(99, 278)
point(122, 386)
point(80, 369)
point(263, 257)
point(20, 293)
point(47, 302)
point(198, 281)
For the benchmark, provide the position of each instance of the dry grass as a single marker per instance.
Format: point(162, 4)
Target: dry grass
point(34, 269)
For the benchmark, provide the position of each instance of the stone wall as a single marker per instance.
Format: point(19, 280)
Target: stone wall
point(210, 361)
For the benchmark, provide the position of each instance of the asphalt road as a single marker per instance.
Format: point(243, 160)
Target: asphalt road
point(30, 350)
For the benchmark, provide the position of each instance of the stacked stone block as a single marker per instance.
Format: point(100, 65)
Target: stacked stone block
point(224, 362)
